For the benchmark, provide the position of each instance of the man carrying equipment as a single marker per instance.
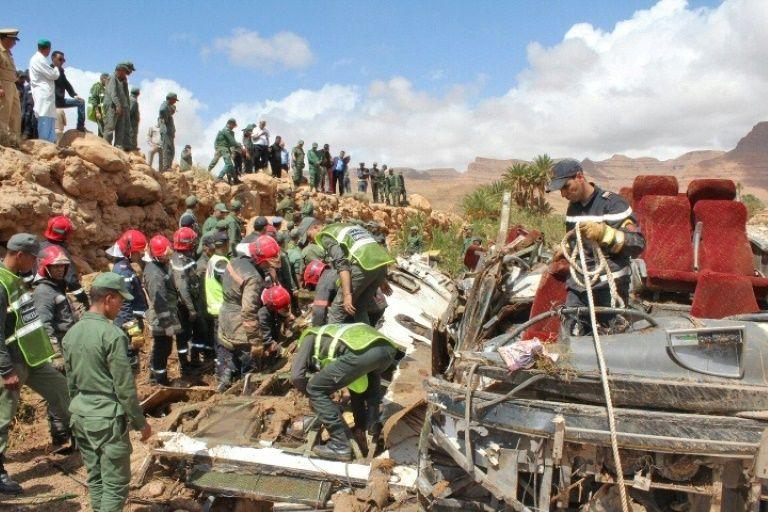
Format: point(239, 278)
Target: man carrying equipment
point(344, 355)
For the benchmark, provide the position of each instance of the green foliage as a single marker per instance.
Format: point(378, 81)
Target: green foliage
point(753, 204)
point(483, 202)
point(528, 183)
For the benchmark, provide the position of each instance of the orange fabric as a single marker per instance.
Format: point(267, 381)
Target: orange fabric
point(719, 295)
point(550, 294)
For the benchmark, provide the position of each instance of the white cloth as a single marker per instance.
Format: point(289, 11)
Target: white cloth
point(153, 136)
point(41, 78)
point(261, 137)
point(285, 157)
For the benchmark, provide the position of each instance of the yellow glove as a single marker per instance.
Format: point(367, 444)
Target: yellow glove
point(603, 234)
point(593, 230)
point(137, 341)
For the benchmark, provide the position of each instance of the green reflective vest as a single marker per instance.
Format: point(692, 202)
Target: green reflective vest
point(358, 243)
point(357, 337)
point(214, 292)
point(28, 331)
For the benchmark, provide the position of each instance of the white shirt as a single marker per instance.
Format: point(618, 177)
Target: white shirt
point(261, 138)
point(153, 136)
point(285, 157)
point(41, 77)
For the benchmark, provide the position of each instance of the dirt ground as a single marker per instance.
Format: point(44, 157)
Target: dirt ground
point(57, 483)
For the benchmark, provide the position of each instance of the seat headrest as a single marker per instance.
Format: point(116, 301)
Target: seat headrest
point(652, 185)
point(715, 188)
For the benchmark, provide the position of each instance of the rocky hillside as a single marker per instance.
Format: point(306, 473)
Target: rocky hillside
point(106, 191)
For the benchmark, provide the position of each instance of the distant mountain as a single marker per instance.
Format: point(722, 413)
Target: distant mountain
point(746, 163)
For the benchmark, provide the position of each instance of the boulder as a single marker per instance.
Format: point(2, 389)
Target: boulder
point(102, 155)
point(420, 203)
point(137, 189)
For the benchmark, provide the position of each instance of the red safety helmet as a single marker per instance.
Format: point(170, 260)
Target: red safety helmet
point(264, 248)
point(313, 272)
point(51, 255)
point(132, 242)
point(184, 239)
point(159, 246)
point(276, 298)
point(59, 228)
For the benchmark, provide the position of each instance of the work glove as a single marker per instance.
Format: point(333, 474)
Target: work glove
point(603, 234)
point(593, 230)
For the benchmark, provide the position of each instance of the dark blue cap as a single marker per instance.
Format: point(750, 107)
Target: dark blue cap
point(563, 171)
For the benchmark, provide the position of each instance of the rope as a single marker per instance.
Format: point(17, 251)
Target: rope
point(591, 278)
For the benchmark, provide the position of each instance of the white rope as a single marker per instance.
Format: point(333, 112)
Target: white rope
point(592, 276)
point(589, 279)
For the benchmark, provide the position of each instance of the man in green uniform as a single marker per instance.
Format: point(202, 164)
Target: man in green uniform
point(167, 130)
point(185, 159)
point(375, 174)
point(314, 158)
point(104, 403)
point(96, 102)
point(249, 149)
point(285, 205)
point(403, 198)
point(134, 117)
point(383, 185)
point(308, 208)
point(25, 348)
point(392, 188)
point(415, 242)
point(297, 162)
point(117, 125)
point(10, 103)
point(189, 218)
point(360, 261)
point(225, 145)
point(344, 355)
point(235, 225)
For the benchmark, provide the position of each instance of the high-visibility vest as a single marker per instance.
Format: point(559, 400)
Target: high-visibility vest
point(28, 331)
point(358, 243)
point(357, 337)
point(214, 292)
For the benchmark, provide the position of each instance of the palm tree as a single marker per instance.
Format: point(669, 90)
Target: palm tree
point(516, 178)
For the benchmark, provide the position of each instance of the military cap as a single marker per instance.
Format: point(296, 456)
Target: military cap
point(362, 164)
point(375, 163)
point(326, 146)
point(191, 201)
point(135, 91)
point(220, 207)
point(220, 238)
point(10, 33)
point(290, 225)
point(172, 96)
point(276, 221)
point(306, 223)
point(295, 234)
point(249, 128)
point(260, 223)
point(314, 145)
point(414, 228)
point(301, 143)
point(281, 237)
point(24, 242)
point(384, 166)
point(563, 171)
point(121, 65)
point(20, 73)
point(112, 281)
point(130, 66)
point(43, 43)
point(209, 239)
point(104, 75)
point(231, 120)
point(187, 146)
point(236, 205)
point(222, 224)
point(305, 194)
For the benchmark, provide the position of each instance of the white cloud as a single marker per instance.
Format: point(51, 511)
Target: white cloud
point(247, 48)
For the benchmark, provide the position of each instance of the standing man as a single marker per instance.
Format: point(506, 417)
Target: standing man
point(63, 86)
point(275, 159)
point(285, 158)
point(395, 190)
point(248, 150)
point(605, 218)
point(191, 296)
point(167, 130)
point(104, 401)
point(297, 163)
point(403, 198)
point(96, 103)
point(24, 347)
point(261, 144)
point(185, 159)
point(153, 141)
point(10, 105)
point(362, 178)
point(135, 117)
point(375, 182)
point(315, 159)
point(189, 218)
point(225, 145)
point(42, 76)
point(327, 165)
point(28, 120)
point(209, 226)
point(117, 126)
point(339, 166)
point(235, 225)
point(214, 295)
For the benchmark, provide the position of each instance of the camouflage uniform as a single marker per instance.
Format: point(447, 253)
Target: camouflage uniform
point(298, 163)
point(315, 158)
point(117, 126)
point(10, 104)
point(134, 117)
point(375, 174)
point(167, 134)
point(225, 144)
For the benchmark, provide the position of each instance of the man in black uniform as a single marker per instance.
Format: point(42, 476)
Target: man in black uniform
point(605, 218)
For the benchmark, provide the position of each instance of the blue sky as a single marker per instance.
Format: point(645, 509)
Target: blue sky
point(432, 84)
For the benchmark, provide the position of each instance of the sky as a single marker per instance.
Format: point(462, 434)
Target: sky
point(431, 84)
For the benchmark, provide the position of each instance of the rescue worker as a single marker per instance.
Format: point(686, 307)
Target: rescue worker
point(55, 312)
point(375, 182)
point(240, 338)
point(343, 355)
point(205, 256)
point(162, 314)
point(285, 274)
point(104, 401)
point(308, 208)
point(275, 312)
point(191, 298)
point(295, 258)
point(392, 189)
point(209, 226)
point(127, 252)
point(117, 125)
point(225, 145)
point(361, 264)
point(235, 225)
point(167, 128)
point(185, 159)
point(315, 159)
point(214, 298)
point(135, 117)
point(605, 218)
point(260, 224)
point(57, 232)
point(189, 218)
point(285, 205)
point(10, 103)
point(24, 347)
point(415, 242)
point(297, 162)
point(310, 250)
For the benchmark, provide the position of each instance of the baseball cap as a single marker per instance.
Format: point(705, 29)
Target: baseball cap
point(112, 281)
point(220, 207)
point(236, 205)
point(306, 223)
point(191, 201)
point(24, 242)
point(563, 171)
point(220, 238)
point(172, 96)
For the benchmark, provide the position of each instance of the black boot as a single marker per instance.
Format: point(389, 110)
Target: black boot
point(160, 379)
point(225, 381)
point(7, 486)
point(337, 447)
point(186, 368)
point(60, 433)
